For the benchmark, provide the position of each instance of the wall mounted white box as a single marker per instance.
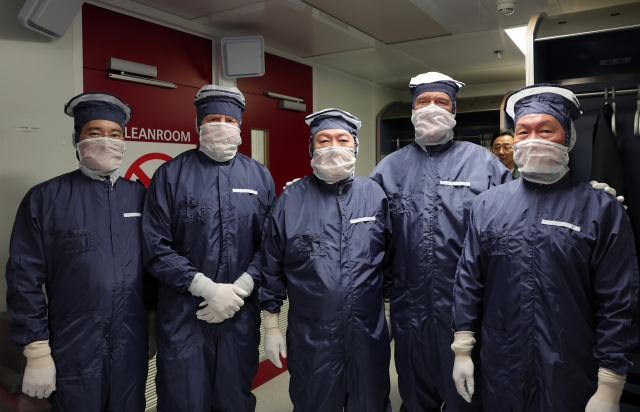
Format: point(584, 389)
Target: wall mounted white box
point(294, 106)
point(243, 56)
point(49, 17)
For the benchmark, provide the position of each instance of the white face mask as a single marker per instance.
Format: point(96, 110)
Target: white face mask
point(541, 161)
point(434, 125)
point(100, 155)
point(219, 140)
point(333, 164)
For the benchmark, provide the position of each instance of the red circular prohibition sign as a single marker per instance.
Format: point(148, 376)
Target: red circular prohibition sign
point(135, 168)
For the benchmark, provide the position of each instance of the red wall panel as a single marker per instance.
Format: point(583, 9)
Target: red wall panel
point(152, 107)
point(281, 76)
point(288, 133)
point(181, 58)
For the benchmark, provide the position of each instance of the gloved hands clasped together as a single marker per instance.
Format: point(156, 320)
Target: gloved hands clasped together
point(463, 365)
point(221, 300)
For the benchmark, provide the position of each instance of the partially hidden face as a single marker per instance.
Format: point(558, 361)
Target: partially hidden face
point(101, 128)
point(539, 126)
point(333, 137)
point(503, 148)
point(221, 118)
point(439, 99)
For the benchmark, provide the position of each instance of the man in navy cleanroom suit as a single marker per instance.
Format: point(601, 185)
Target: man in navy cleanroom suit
point(325, 248)
point(202, 223)
point(548, 277)
point(430, 185)
point(79, 234)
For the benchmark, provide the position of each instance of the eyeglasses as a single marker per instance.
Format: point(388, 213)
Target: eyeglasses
point(506, 147)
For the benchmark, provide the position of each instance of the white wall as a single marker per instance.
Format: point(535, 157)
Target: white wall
point(363, 100)
point(36, 80)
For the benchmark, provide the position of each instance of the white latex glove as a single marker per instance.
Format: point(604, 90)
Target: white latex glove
point(387, 315)
point(274, 344)
point(595, 405)
point(245, 282)
point(207, 314)
point(607, 396)
point(223, 298)
point(607, 189)
point(291, 182)
point(463, 365)
point(39, 378)
point(463, 376)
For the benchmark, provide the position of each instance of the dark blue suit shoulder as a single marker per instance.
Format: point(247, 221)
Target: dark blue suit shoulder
point(254, 164)
point(54, 184)
point(369, 184)
point(398, 157)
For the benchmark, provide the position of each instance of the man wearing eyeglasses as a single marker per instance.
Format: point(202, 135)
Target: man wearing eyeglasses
point(79, 235)
point(502, 146)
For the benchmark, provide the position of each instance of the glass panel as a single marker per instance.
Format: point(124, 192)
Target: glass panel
point(260, 146)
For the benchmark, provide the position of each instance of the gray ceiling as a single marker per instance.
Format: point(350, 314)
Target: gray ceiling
point(390, 22)
point(376, 42)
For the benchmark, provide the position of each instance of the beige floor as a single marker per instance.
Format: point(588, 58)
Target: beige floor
point(273, 396)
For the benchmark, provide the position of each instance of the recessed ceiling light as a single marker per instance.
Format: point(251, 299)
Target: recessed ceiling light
point(519, 36)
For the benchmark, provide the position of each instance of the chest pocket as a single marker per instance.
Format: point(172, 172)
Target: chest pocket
point(245, 201)
point(192, 211)
point(313, 244)
point(400, 203)
point(495, 243)
point(78, 240)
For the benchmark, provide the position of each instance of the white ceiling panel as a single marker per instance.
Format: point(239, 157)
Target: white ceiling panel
point(434, 11)
point(572, 6)
point(465, 13)
point(525, 9)
point(461, 52)
point(192, 9)
point(491, 75)
point(476, 104)
point(589, 21)
point(400, 84)
point(523, 12)
point(470, 76)
point(388, 21)
point(373, 64)
point(295, 30)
